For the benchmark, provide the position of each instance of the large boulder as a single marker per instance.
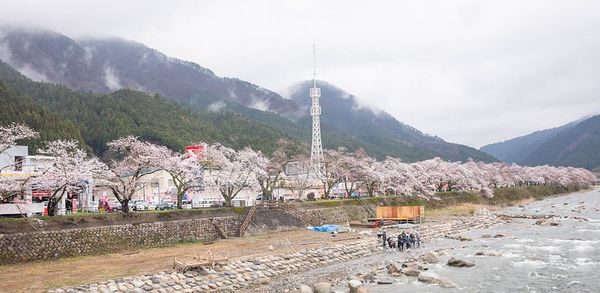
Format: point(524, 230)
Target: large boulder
point(353, 285)
point(489, 253)
point(431, 257)
point(394, 267)
point(455, 262)
point(427, 277)
point(323, 287)
point(305, 289)
point(446, 283)
point(410, 271)
point(385, 281)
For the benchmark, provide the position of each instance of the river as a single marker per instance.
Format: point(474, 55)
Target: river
point(535, 258)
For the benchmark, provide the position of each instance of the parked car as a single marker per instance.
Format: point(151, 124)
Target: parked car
point(111, 206)
point(165, 205)
point(140, 205)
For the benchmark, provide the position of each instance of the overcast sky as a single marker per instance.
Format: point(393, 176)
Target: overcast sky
point(471, 72)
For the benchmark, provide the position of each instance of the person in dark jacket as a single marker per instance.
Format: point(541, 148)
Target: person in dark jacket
point(384, 237)
point(391, 243)
point(406, 241)
point(400, 243)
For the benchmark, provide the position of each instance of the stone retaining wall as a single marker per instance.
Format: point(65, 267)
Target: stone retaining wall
point(21, 247)
point(336, 215)
point(30, 246)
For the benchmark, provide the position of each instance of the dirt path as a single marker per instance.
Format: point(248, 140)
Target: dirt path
point(43, 275)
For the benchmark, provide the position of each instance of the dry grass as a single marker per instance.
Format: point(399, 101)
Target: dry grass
point(462, 209)
point(43, 275)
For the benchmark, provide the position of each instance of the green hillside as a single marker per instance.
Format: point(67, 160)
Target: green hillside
point(574, 144)
point(57, 111)
point(24, 110)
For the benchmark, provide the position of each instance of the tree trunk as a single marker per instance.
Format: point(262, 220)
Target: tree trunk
point(54, 201)
point(125, 205)
point(52, 204)
point(180, 200)
point(227, 201)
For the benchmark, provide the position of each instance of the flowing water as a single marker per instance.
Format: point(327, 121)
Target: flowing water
point(535, 258)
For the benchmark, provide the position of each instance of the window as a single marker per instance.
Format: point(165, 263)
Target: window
point(19, 163)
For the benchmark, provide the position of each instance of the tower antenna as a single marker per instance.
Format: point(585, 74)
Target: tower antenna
point(316, 150)
point(314, 64)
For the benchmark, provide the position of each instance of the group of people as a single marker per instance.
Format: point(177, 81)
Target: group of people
point(402, 241)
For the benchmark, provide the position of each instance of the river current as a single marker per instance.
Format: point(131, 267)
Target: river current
point(535, 258)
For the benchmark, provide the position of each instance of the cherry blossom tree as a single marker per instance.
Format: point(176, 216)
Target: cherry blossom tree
point(270, 169)
point(329, 178)
point(133, 160)
point(12, 186)
point(69, 168)
point(301, 181)
point(374, 174)
point(186, 171)
point(230, 171)
point(350, 170)
point(11, 134)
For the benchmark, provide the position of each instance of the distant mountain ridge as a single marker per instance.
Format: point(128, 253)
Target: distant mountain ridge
point(574, 144)
point(100, 67)
point(343, 115)
point(106, 65)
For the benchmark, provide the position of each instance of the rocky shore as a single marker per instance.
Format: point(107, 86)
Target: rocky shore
point(236, 274)
point(415, 268)
point(271, 273)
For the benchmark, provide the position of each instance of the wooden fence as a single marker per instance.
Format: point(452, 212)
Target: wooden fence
point(401, 213)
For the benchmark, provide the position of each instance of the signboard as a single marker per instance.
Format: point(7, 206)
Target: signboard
point(197, 150)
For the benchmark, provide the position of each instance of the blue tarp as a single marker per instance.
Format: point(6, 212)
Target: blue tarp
point(325, 228)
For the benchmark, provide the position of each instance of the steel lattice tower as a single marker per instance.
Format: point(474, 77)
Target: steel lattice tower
point(316, 152)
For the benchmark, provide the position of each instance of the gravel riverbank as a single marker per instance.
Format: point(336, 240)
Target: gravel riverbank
point(455, 248)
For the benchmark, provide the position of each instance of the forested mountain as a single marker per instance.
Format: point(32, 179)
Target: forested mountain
point(197, 104)
point(375, 130)
point(94, 119)
point(575, 144)
point(18, 108)
point(106, 65)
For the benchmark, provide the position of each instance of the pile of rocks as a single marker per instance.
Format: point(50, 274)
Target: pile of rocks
point(417, 267)
point(236, 274)
point(450, 227)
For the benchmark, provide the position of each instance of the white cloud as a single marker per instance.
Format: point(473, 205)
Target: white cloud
point(111, 80)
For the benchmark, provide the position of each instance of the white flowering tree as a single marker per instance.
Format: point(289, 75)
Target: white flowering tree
point(269, 170)
point(13, 185)
point(351, 170)
point(66, 173)
point(230, 171)
point(300, 182)
point(375, 174)
point(186, 170)
point(11, 134)
point(133, 159)
point(329, 178)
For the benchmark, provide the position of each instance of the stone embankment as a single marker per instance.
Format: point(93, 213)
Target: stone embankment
point(391, 271)
point(270, 273)
point(236, 274)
